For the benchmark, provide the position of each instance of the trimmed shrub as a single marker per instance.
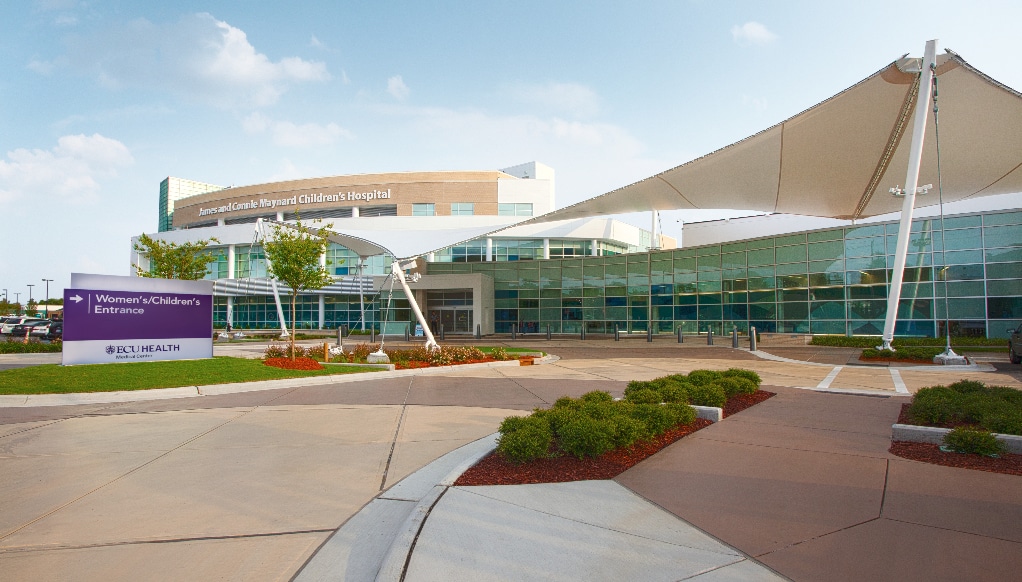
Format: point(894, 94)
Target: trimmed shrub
point(736, 385)
point(657, 418)
point(703, 377)
point(526, 438)
point(1004, 421)
point(674, 392)
point(707, 395)
point(582, 436)
point(597, 397)
point(628, 430)
point(680, 413)
point(967, 386)
point(974, 440)
point(742, 373)
point(644, 396)
point(500, 354)
point(635, 385)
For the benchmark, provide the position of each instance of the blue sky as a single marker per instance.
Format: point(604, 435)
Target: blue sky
point(99, 101)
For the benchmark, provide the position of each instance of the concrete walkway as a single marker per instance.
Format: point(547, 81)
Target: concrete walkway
point(250, 485)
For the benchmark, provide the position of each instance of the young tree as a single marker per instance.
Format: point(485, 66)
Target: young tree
point(292, 257)
point(170, 260)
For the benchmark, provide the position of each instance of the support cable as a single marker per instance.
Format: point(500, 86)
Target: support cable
point(948, 352)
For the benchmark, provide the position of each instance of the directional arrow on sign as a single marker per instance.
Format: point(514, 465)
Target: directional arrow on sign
point(77, 298)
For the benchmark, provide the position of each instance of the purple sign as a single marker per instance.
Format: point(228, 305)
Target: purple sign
point(91, 314)
point(131, 319)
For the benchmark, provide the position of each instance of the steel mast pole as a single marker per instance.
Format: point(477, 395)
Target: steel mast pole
point(915, 157)
point(260, 230)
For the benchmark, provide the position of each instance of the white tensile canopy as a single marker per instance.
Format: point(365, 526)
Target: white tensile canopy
point(839, 158)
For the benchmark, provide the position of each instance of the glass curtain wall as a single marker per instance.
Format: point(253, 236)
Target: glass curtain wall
point(823, 282)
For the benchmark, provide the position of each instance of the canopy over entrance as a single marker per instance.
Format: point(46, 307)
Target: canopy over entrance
point(840, 158)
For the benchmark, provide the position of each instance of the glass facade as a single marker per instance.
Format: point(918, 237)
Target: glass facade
point(824, 282)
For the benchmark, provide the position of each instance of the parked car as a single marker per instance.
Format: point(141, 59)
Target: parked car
point(40, 329)
point(8, 325)
point(1015, 345)
point(27, 326)
point(55, 331)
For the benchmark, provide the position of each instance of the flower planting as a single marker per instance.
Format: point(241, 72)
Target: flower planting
point(417, 357)
point(299, 363)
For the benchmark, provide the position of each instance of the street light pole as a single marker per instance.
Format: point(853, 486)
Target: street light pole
point(17, 296)
point(47, 281)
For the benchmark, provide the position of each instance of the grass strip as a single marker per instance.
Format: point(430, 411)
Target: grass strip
point(56, 379)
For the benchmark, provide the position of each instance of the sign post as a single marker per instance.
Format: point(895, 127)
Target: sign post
point(130, 319)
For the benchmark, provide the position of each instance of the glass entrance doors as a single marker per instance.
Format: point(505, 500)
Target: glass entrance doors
point(454, 319)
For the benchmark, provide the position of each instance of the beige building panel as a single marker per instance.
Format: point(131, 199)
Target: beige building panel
point(477, 187)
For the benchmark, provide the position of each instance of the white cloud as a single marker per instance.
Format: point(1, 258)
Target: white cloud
point(288, 134)
point(70, 171)
point(41, 67)
point(569, 98)
point(197, 57)
point(397, 88)
point(752, 33)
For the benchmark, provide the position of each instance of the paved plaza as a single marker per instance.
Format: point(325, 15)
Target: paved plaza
point(256, 485)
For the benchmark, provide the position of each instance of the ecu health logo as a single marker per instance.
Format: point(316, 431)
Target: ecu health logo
point(110, 349)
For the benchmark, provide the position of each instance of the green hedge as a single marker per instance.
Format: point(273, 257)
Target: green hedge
point(860, 341)
point(994, 408)
point(904, 353)
point(13, 346)
point(595, 423)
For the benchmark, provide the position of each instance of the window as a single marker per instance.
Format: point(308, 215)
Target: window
point(424, 209)
point(462, 208)
point(514, 209)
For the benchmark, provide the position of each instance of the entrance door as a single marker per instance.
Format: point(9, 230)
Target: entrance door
point(454, 319)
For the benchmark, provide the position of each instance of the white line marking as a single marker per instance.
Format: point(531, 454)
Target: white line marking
point(899, 384)
point(826, 382)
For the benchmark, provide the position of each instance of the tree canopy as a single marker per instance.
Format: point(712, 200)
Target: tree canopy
point(292, 257)
point(170, 260)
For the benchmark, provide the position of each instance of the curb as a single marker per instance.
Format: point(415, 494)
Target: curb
point(27, 400)
point(935, 436)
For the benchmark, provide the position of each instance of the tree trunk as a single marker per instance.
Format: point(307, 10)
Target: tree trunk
point(294, 298)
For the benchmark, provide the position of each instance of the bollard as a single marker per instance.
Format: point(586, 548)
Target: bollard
point(617, 333)
point(709, 336)
point(326, 351)
point(441, 332)
point(408, 333)
point(583, 333)
point(734, 336)
point(548, 331)
point(681, 336)
point(340, 336)
point(372, 335)
point(479, 331)
point(514, 331)
point(649, 334)
point(752, 339)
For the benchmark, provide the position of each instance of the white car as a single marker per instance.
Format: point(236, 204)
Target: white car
point(13, 321)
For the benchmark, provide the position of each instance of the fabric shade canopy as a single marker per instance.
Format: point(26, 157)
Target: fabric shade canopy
point(840, 158)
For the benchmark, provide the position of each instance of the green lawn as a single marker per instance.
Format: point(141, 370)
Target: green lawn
point(55, 379)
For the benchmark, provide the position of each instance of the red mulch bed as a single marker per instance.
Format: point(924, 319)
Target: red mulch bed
point(494, 469)
point(1008, 463)
point(296, 364)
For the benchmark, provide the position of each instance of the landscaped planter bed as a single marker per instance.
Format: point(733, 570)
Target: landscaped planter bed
point(496, 470)
point(925, 423)
point(1008, 463)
